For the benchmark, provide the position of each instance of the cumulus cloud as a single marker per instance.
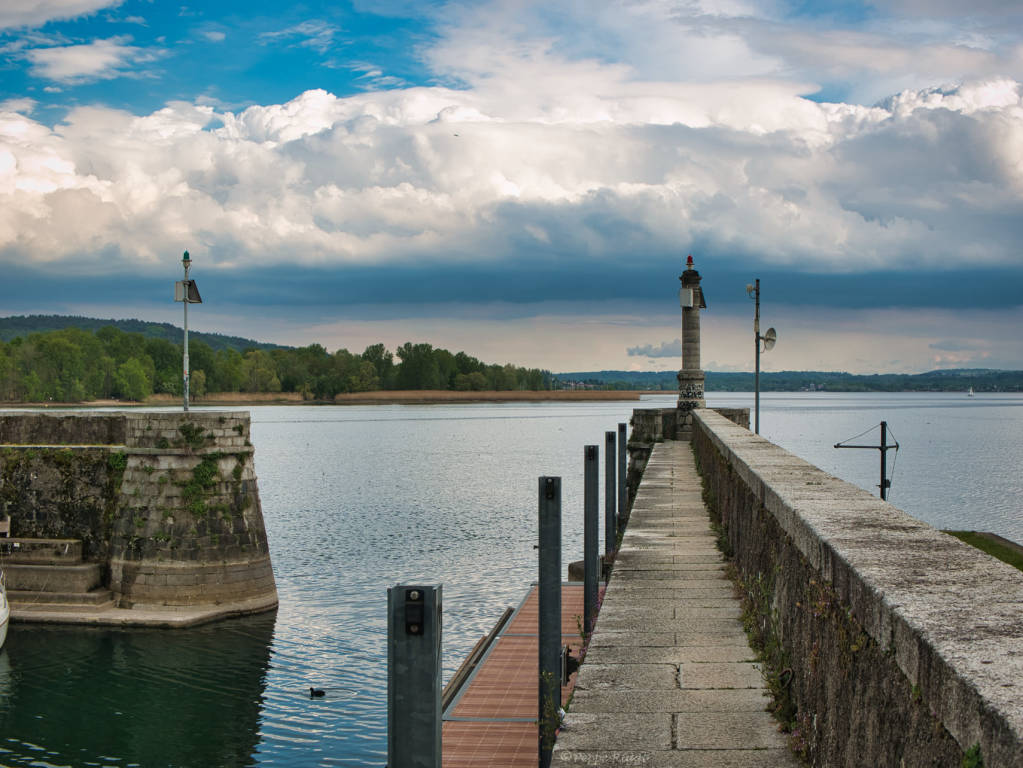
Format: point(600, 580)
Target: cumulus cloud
point(539, 147)
point(35, 13)
point(98, 60)
point(664, 349)
point(928, 178)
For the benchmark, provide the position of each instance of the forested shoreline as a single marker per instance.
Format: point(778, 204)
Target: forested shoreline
point(74, 365)
point(945, 380)
point(77, 365)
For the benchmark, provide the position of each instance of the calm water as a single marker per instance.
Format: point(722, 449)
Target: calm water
point(359, 498)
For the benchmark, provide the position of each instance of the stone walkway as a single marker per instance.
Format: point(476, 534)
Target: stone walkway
point(669, 678)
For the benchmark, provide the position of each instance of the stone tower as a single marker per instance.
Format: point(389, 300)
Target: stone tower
point(690, 378)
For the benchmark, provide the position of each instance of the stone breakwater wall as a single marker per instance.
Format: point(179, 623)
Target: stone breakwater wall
point(654, 425)
point(887, 641)
point(167, 503)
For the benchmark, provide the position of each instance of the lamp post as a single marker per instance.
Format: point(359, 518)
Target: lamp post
point(187, 293)
point(186, 262)
point(769, 338)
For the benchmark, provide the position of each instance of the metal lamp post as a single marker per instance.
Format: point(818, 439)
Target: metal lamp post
point(186, 262)
point(769, 340)
point(187, 293)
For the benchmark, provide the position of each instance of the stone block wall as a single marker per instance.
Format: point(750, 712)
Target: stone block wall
point(171, 511)
point(888, 642)
point(61, 491)
point(62, 428)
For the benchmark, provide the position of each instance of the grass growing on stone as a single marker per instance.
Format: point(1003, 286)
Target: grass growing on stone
point(204, 477)
point(993, 547)
point(973, 758)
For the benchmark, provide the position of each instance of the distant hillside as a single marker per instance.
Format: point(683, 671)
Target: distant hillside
point(23, 325)
point(953, 380)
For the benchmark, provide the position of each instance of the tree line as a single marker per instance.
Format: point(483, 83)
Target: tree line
point(75, 365)
point(950, 380)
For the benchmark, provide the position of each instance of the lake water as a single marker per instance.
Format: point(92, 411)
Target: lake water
point(359, 498)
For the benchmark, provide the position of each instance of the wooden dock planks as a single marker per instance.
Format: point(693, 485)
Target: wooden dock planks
point(492, 720)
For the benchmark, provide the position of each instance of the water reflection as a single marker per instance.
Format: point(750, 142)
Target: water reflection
point(92, 696)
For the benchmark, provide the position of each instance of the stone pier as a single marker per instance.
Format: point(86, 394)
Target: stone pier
point(132, 518)
point(669, 678)
point(886, 642)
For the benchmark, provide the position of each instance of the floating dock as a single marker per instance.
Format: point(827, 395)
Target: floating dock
point(491, 718)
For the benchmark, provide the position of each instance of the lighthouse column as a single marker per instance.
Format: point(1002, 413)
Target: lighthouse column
point(690, 377)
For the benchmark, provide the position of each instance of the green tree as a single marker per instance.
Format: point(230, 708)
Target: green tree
point(363, 377)
point(167, 360)
point(470, 382)
point(228, 374)
point(120, 345)
point(259, 373)
point(418, 369)
point(132, 380)
point(383, 363)
point(197, 383)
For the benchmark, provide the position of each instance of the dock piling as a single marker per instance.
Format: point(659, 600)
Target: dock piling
point(414, 676)
point(549, 629)
point(610, 495)
point(623, 493)
point(591, 534)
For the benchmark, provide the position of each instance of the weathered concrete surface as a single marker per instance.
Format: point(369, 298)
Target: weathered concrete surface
point(165, 505)
point(669, 678)
point(906, 646)
point(655, 425)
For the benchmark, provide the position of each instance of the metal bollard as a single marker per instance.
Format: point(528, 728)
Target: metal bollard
point(591, 534)
point(610, 495)
point(623, 489)
point(414, 676)
point(549, 629)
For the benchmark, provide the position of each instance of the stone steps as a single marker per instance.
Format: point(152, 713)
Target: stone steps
point(76, 578)
point(41, 551)
point(24, 600)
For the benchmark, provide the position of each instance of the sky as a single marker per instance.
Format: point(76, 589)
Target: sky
point(524, 180)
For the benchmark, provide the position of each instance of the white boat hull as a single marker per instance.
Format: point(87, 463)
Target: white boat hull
point(5, 611)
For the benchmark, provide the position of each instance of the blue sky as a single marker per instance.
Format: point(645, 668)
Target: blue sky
point(523, 180)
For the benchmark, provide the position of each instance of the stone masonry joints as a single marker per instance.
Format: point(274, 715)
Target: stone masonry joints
point(669, 679)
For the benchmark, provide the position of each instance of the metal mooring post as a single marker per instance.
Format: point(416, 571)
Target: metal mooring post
point(623, 489)
point(549, 615)
point(414, 676)
point(591, 533)
point(610, 495)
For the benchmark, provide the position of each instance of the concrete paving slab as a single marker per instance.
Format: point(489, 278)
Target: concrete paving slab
point(622, 639)
point(617, 731)
point(675, 702)
point(648, 610)
point(750, 758)
point(721, 675)
point(726, 730)
point(669, 648)
point(631, 677)
point(694, 654)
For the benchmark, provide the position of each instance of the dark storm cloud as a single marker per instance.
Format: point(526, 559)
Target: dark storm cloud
point(309, 292)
